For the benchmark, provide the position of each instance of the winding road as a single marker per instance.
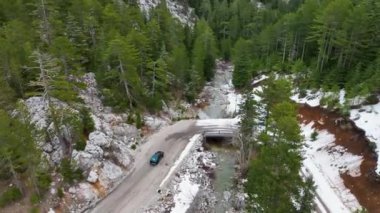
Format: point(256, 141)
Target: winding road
point(140, 189)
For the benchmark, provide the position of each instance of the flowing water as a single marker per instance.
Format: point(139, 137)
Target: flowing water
point(224, 174)
point(217, 95)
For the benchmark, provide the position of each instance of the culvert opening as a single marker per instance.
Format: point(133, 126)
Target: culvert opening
point(217, 142)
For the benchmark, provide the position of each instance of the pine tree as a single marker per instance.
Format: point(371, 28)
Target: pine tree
point(242, 60)
point(123, 58)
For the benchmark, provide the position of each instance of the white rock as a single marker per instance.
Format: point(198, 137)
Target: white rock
point(121, 152)
point(94, 150)
point(47, 147)
point(72, 190)
point(84, 160)
point(57, 156)
point(109, 174)
point(53, 191)
point(37, 108)
point(227, 195)
point(92, 176)
point(98, 138)
point(86, 193)
point(125, 130)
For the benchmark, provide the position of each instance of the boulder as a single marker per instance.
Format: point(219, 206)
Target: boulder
point(94, 151)
point(125, 130)
point(57, 156)
point(86, 194)
point(47, 147)
point(84, 160)
point(98, 138)
point(92, 176)
point(37, 109)
point(109, 174)
point(121, 153)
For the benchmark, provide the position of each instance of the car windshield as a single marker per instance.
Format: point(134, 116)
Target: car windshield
point(154, 157)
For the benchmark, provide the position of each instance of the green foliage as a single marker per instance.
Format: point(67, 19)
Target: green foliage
point(34, 199)
point(362, 210)
point(43, 180)
point(139, 120)
point(60, 192)
point(34, 210)
point(274, 181)
point(314, 136)
point(242, 74)
point(133, 147)
point(204, 54)
point(87, 121)
point(69, 172)
point(80, 144)
point(11, 195)
point(18, 153)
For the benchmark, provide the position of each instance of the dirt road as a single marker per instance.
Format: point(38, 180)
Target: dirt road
point(140, 188)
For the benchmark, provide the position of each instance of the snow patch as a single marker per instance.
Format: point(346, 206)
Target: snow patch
point(224, 123)
point(368, 119)
point(185, 152)
point(178, 11)
point(326, 161)
point(312, 99)
point(187, 192)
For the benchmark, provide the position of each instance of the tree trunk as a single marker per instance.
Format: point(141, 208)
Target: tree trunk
point(125, 82)
point(284, 51)
point(45, 24)
point(303, 50)
point(154, 79)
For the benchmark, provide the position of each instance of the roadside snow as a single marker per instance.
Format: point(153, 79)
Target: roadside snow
point(185, 152)
point(368, 119)
point(224, 123)
point(326, 161)
point(187, 192)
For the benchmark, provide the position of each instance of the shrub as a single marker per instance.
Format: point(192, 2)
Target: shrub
point(80, 144)
point(11, 195)
point(34, 210)
point(43, 180)
point(34, 199)
point(133, 147)
point(60, 193)
point(372, 99)
point(345, 110)
point(88, 122)
point(130, 119)
point(314, 136)
point(69, 172)
point(139, 121)
point(303, 93)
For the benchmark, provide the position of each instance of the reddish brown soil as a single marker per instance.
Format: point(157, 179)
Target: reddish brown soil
point(365, 189)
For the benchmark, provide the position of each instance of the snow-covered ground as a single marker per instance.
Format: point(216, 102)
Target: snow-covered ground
point(178, 11)
point(187, 192)
point(368, 119)
point(326, 161)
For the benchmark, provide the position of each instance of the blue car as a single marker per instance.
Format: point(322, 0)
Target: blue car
point(156, 157)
